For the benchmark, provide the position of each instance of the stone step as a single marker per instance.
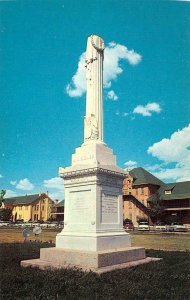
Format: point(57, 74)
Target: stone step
point(92, 259)
point(44, 265)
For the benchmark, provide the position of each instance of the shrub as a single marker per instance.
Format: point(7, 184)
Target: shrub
point(5, 214)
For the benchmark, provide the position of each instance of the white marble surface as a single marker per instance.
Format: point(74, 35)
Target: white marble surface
point(93, 122)
point(93, 217)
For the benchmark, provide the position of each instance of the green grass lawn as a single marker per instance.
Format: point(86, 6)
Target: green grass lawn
point(157, 241)
point(166, 279)
point(162, 241)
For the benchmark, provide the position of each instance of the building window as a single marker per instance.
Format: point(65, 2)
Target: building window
point(136, 192)
point(42, 207)
point(36, 217)
point(20, 207)
point(129, 184)
point(168, 192)
point(26, 207)
point(142, 191)
point(37, 207)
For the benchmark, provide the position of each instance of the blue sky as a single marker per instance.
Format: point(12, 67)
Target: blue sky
point(146, 93)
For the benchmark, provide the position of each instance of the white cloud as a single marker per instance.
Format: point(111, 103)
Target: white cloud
point(130, 164)
point(147, 109)
point(56, 187)
point(112, 95)
point(59, 195)
point(77, 87)
point(13, 182)
point(173, 174)
point(176, 150)
point(113, 55)
point(25, 185)
point(10, 193)
point(54, 183)
point(173, 149)
point(154, 167)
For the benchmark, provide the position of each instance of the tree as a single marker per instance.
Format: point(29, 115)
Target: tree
point(172, 219)
point(156, 210)
point(2, 194)
point(5, 214)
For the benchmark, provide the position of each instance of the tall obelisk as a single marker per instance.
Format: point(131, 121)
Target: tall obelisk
point(93, 126)
point(93, 183)
point(94, 151)
point(93, 236)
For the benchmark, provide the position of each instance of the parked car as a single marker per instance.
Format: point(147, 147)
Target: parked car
point(45, 224)
point(19, 223)
point(143, 226)
point(53, 224)
point(152, 227)
point(61, 224)
point(36, 224)
point(128, 226)
point(177, 227)
point(4, 223)
point(187, 226)
point(160, 227)
point(28, 224)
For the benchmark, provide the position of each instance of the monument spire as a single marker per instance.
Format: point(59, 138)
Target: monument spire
point(93, 237)
point(93, 122)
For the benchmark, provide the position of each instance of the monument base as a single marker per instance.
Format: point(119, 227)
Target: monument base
point(93, 241)
point(99, 262)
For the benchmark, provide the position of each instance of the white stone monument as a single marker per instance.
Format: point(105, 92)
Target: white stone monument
point(93, 236)
point(93, 183)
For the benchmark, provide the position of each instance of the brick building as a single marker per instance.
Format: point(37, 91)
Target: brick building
point(176, 199)
point(139, 188)
point(58, 211)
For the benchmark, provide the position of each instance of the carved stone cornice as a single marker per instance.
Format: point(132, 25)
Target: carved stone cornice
point(89, 172)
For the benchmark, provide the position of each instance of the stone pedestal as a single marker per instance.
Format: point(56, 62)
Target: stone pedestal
point(93, 203)
point(93, 237)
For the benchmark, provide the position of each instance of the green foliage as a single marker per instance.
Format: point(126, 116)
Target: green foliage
point(5, 214)
point(2, 194)
point(156, 210)
point(172, 219)
point(166, 279)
